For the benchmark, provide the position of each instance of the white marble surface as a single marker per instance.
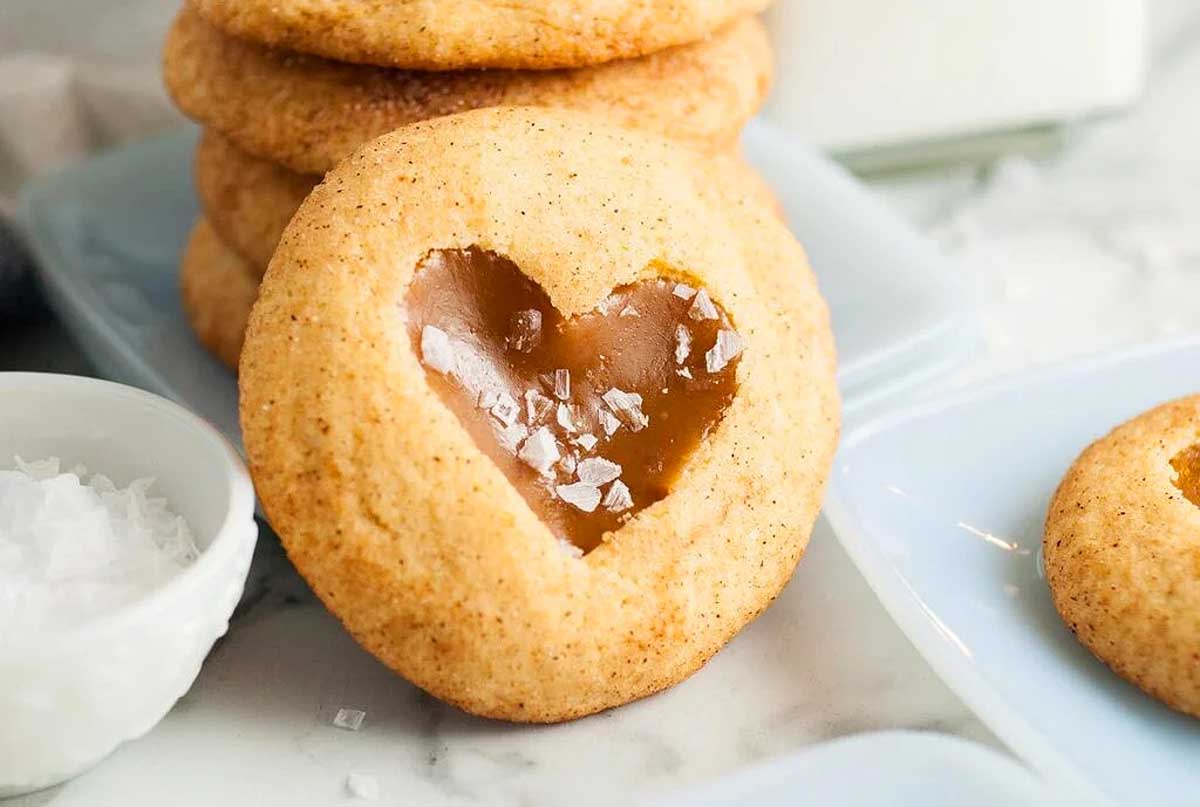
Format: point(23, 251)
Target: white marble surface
point(1096, 246)
point(256, 728)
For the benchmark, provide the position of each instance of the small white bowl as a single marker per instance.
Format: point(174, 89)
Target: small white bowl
point(69, 697)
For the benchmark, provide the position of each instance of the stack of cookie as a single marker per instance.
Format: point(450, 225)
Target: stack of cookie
point(285, 91)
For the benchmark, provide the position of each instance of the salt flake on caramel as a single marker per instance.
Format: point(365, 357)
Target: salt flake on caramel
point(436, 350)
point(627, 406)
point(540, 451)
point(729, 345)
point(537, 406)
point(702, 307)
point(579, 494)
point(683, 343)
point(564, 419)
point(618, 498)
point(608, 422)
point(488, 398)
point(506, 409)
point(525, 330)
point(562, 384)
point(597, 471)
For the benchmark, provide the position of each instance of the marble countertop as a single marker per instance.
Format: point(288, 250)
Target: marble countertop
point(1094, 246)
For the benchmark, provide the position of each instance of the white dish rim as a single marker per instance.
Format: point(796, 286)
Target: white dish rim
point(237, 521)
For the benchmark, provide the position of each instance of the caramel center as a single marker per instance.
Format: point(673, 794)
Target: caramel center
point(1187, 465)
point(590, 418)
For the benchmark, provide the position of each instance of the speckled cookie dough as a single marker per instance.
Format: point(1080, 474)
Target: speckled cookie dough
point(247, 201)
point(1122, 551)
point(218, 290)
point(308, 113)
point(382, 481)
point(455, 34)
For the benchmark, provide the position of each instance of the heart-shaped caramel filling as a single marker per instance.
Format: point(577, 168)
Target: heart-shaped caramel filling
point(590, 418)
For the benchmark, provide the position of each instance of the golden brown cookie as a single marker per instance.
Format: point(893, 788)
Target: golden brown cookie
point(475, 250)
point(449, 35)
point(218, 290)
point(247, 201)
point(308, 113)
point(1122, 551)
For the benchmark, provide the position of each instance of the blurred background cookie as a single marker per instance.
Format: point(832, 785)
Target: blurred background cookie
point(218, 289)
point(307, 113)
point(453, 34)
point(246, 200)
point(1122, 551)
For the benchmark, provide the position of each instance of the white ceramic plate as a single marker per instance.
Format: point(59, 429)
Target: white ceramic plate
point(880, 768)
point(941, 508)
point(108, 234)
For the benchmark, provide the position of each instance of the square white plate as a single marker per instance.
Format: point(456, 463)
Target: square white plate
point(108, 234)
point(941, 508)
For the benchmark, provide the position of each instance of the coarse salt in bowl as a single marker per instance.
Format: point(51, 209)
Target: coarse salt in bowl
point(73, 688)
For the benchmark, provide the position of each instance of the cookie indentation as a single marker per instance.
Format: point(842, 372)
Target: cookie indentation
point(591, 418)
point(1187, 465)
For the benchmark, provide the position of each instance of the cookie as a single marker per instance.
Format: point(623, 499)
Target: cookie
point(247, 201)
point(218, 289)
point(308, 113)
point(1122, 552)
point(489, 341)
point(456, 35)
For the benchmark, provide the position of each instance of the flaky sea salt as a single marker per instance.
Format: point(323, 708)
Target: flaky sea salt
point(562, 384)
point(683, 291)
point(629, 311)
point(610, 302)
point(586, 441)
point(728, 345)
point(349, 719)
point(618, 497)
point(436, 350)
point(597, 471)
point(683, 372)
point(512, 435)
point(683, 343)
point(627, 406)
point(702, 307)
point(563, 416)
point(608, 422)
point(73, 546)
point(525, 330)
point(537, 406)
point(580, 494)
point(506, 409)
point(540, 451)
